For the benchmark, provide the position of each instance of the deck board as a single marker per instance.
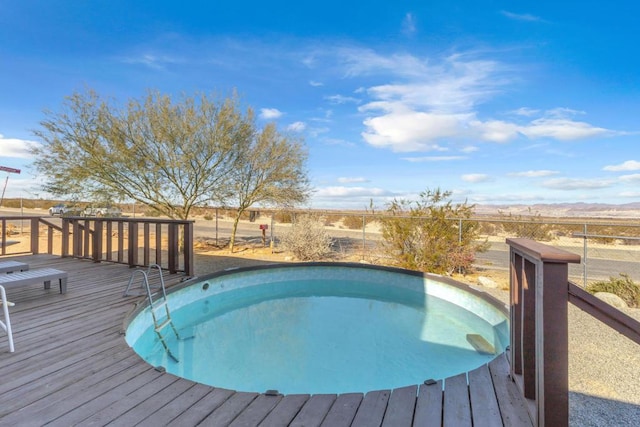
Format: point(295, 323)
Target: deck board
point(72, 366)
point(457, 408)
point(429, 405)
point(401, 407)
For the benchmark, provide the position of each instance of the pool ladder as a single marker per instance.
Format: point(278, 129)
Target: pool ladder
point(160, 320)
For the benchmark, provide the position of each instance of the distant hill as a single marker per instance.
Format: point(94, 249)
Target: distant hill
point(591, 210)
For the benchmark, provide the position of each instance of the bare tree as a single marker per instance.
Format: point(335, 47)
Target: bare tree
point(168, 155)
point(270, 170)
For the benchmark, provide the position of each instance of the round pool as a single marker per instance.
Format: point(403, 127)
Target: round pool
point(321, 328)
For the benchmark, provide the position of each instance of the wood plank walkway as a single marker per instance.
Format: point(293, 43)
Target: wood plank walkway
point(72, 366)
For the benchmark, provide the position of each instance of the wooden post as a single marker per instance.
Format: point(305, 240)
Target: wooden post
point(109, 236)
point(35, 235)
point(65, 238)
point(159, 244)
point(172, 236)
point(133, 244)
point(188, 249)
point(539, 336)
point(97, 241)
point(145, 249)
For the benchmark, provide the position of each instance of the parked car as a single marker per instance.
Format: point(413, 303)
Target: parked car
point(102, 211)
point(59, 209)
point(62, 209)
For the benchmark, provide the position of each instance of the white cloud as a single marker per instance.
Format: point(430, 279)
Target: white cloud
point(432, 100)
point(534, 173)
point(404, 130)
point(576, 184)
point(351, 180)
point(341, 99)
point(633, 178)
point(338, 191)
point(562, 129)
point(629, 165)
point(151, 60)
point(496, 130)
point(469, 149)
point(315, 83)
point(270, 113)
point(521, 16)
point(297, 127)
point(476, 177)
point(433, 159)
point(16, 148)
point(409, 24)
point(527, 112)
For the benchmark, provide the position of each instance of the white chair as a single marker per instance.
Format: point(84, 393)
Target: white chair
point(6, 325)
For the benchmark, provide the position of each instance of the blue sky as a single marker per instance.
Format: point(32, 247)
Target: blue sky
point(500, 102)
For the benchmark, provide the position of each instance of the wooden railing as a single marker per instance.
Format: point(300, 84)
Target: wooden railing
point(137, 242)
point(540, 293)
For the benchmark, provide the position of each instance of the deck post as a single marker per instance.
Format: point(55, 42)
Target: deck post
point(172, 236)
point(35, 235)
point(133, 244)
point(539, 335)
point(64, 250)
point(188, 249)
point(97, 240)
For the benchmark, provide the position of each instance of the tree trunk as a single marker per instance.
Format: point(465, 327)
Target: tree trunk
point(232, 240)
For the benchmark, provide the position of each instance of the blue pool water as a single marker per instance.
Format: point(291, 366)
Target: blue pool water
point(321, 329)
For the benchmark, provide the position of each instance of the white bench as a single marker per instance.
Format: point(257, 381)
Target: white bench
point(11, 266)
point(45, 275)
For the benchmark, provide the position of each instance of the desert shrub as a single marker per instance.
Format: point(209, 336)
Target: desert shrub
point(622, 286)
point(151, 212)
point(307, 239)
point(331, 219)
point(431, 234)
point(208, 217)
point(487, 228)
point(352, 222)
point(283, 217)
point(529, 227)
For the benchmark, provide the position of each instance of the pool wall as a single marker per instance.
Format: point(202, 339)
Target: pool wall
point(476, 301)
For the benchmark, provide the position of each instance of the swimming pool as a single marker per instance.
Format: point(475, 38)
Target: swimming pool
point(323, 328)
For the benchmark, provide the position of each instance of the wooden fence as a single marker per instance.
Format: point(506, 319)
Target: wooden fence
point(137, 242)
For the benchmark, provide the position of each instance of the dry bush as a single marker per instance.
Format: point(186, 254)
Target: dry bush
point(622, 286)
point(331, 219)
point(283, 217)
point(307, 239)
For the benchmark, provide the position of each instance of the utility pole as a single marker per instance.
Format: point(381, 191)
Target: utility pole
point(6, 181)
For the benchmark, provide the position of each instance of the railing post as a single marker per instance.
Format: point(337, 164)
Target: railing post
point(97, 241)
point(188, 249)
point(77, 239)
point(3, 237)
point(158, 243)
point(539, 335)
point(65, 238)
point(35, 235)
point(133, 243)
point(172, 237)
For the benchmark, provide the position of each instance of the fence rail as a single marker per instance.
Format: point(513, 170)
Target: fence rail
point(137, 242)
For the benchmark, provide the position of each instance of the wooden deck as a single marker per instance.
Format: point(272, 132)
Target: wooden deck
point(72, 366)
